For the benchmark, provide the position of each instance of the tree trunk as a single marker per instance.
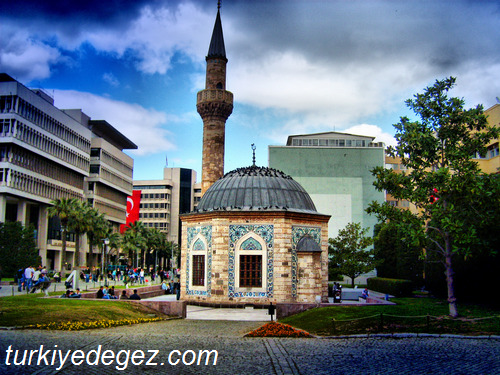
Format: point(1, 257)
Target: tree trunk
point(63, 253)
point(452, 301)
point(77, 251)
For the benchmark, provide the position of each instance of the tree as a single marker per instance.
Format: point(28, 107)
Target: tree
point(63, 208)
point(157, 243)
point(99, 231)
point(134, 240)
point(348, 251)
point(454, 199)
point(80, 222)
point(17, 248)
point(397, 257)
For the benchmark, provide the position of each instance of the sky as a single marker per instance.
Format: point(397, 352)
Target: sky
point(295, 67)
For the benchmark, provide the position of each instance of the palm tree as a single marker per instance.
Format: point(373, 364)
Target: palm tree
point(134, 239)
point(156, 242)
point(99, 231)
point(64, 208)
point(115, 241)
point(80, 222)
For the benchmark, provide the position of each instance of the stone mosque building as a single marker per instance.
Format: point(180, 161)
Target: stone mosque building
point(255, 236)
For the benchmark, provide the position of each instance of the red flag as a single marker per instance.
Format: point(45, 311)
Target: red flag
point(133, 205)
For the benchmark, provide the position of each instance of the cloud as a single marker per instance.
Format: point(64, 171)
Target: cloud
point(373, 131)
point(111, 79)
point(25, 58)
point(145, 127)
point(153, 38)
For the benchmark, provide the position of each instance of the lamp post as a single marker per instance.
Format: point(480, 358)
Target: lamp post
point(105, 244)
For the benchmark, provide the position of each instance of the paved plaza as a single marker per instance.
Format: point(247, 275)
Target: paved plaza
point(179, 343)
point(182, 347)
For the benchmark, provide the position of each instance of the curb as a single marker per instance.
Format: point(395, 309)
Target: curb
point(410, 335)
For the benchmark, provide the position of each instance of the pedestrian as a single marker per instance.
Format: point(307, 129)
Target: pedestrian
point(28, 275)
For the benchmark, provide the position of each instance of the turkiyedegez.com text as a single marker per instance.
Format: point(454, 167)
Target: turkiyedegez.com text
point(120, 359)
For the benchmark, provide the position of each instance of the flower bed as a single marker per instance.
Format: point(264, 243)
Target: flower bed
point(275, 329)
point(77, 326)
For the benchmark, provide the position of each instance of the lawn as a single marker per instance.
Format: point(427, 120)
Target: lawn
point(34, 309)
point(408, 315)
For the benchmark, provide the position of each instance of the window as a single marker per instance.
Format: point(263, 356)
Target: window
point(251, 271)
point(94, 168)
point(95, 152)
point(198, 270)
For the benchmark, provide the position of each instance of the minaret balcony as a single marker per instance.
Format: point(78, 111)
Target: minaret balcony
point(214, 95)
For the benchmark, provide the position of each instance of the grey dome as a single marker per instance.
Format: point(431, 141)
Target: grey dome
point(256, 188)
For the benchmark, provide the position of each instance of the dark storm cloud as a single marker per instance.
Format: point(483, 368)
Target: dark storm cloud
point(72, 11)
point(446, 33)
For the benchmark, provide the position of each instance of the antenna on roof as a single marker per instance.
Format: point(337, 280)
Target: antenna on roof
point(253, 149)
point(218, 4)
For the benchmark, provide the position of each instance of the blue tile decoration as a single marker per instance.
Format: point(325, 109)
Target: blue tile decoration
point(251, 244)
point(266, 232)
point(297, 233)
point(206, 232)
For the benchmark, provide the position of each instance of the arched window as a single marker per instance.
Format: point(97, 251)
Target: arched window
point(219, 86)
point(198, 264)
point(251, 263)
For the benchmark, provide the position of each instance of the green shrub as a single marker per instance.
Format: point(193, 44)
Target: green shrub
point(395, 287)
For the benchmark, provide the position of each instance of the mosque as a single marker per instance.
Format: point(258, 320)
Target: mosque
point(255, 236)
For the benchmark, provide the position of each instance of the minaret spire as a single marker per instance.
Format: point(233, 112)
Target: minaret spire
point(215, 105)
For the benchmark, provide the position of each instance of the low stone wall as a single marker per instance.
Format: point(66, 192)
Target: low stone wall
point(172, 308)
point(143, 292)
point(286, 309)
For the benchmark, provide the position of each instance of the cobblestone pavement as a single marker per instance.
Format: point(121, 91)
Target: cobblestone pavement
point(183, 339)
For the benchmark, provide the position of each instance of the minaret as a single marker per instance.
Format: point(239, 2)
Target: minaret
point(214, 104)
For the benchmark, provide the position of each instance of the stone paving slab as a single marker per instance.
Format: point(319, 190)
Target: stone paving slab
point(240, 355)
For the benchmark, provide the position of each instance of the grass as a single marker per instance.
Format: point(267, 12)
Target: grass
point(368, 319)
point(33, 309)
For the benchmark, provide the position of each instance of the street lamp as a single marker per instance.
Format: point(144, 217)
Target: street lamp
point(105, 243)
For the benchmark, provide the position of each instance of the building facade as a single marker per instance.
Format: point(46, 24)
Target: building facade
point(46, 154)
point(334, 168)
point(162, 201)
point(490, 163)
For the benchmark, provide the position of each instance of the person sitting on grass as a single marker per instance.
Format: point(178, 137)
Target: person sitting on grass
point(76, 294)
point(66, 295)
point(124, 295)
point(135, 295)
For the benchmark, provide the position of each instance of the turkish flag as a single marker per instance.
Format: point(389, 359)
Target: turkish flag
point(133, 205)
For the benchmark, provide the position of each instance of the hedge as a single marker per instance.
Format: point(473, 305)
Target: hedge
point(395, 287)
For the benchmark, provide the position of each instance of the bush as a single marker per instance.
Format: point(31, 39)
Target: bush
point(395, 287)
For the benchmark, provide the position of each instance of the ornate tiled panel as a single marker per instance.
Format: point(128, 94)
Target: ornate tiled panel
point(266, 232)
point(192, 233)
